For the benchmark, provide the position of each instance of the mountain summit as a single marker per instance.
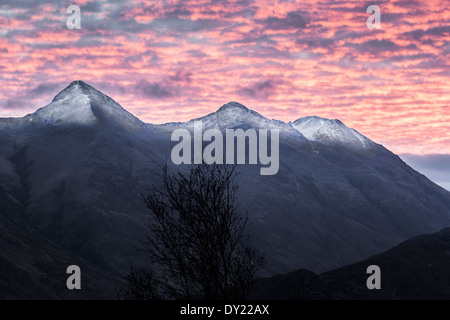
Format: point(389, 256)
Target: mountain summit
point(235, 106)
point(76, 87)
point(81, 104)
point(235, 115)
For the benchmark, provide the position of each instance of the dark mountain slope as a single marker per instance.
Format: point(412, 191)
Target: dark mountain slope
point(415, 269)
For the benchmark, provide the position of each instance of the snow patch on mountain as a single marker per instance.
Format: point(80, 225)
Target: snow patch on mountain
point(81, 104)
point(73, 108)
point(234, 115)
point(330, 132)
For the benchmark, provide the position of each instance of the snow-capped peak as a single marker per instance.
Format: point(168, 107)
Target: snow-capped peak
point(234, 114)
point(233, 106)
point(81, 104)
point(330, 132)
point(76, 87)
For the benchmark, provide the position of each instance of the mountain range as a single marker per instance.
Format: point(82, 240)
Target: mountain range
point(72, 174)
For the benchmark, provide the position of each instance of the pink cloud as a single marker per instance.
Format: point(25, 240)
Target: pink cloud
point(178, 60)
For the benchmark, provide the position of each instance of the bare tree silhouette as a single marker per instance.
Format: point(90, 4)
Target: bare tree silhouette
point(197, 242)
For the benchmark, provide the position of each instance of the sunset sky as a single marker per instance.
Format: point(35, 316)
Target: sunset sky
point(176, 60)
